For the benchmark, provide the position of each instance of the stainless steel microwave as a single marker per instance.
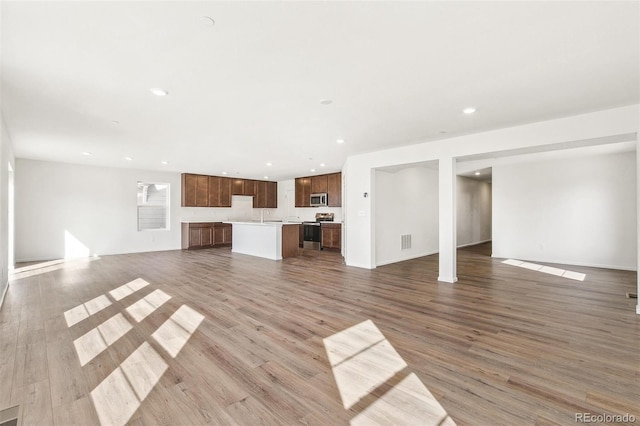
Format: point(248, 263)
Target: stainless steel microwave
point(318, 200)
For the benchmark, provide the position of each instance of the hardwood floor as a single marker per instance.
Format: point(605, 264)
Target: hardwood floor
point(221, 338)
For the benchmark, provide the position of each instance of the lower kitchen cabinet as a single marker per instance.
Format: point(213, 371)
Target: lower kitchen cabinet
point(331, 236)
point(222, 234)
point(197, 235)
point(301, 235)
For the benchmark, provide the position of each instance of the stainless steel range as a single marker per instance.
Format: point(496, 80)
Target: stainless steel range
point(312, 235)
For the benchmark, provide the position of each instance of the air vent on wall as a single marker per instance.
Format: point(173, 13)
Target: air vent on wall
point(405, 241)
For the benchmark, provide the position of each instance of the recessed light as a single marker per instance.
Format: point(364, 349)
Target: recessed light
point(207, 21)
point(340, 141)
point(326, 101)
point(477, 173)
point(128, 158)
point(266, 177)
point(164, 162)
point(86, 153)
point(469, 110)
point(224, 173)
point(158, 92)
point(313, 170)
point(321, 164)
point(269, 164)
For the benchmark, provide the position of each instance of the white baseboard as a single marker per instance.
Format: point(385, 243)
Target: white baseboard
point(4, 293)
point(402, 259)
point(426, 253)
point(474, 243)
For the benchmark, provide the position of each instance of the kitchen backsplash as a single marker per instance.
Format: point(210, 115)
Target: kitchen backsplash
point(242, 209)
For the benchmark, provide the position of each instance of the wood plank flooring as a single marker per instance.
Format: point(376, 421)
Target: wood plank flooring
point(504, 345)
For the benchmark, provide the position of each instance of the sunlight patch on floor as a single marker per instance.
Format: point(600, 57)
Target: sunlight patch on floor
point(81, 312)
point(92, 343)
point(48, 266)
point(145, 306)
point(119, 395)
point(128, 288)
point(546, 269)
point(363, 361)
point(408, 401)
point(176, 331)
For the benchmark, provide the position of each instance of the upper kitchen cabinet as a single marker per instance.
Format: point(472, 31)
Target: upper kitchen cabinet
point(244, 187)
point(331, 184)
point(319, 184)
point(237, 187)
point(250, 187)
point(266, 195)
point(219, 191)
point(272, 195)
point(334, 189)
point(195, 190)
point(216, 191)
point(303, 191)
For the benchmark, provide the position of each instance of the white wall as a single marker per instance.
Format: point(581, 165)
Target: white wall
point(406, 202)
point(6, 158)
point(582, 130)
point(473, 211)
point(241, 209)
point(58, 203)
point(580, 211)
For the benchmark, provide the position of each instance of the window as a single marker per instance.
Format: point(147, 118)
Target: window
point(153, 206)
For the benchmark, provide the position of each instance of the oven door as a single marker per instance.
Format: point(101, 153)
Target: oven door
point(311, 235)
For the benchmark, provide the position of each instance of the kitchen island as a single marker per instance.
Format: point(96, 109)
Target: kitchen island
point(271, 240)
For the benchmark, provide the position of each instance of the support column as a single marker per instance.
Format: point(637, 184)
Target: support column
point(447, 219)
point(637, 222)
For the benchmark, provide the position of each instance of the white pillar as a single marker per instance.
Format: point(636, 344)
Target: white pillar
point(637, 221)
point(447, 219)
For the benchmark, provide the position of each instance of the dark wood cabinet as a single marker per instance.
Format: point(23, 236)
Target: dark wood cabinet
point(216, 191)
point(301, 235)
point(195, 190)
point(202, 191)
point(205, 235)
point(330, 183)
point(290, 247)
point(219, 192)
point(334, 189)
point(250, 187)
point(272, 195)
point(225, 192)
point(222, 234)
point(303, 191)
point(244, 187)
point(266, 195)
point(197, 235)
point(237, 187)
point(331, 236)
point(319, 184)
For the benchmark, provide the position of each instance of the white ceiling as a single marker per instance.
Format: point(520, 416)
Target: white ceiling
point(247, 90)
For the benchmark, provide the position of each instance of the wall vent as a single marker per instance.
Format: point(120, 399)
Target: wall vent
point(405, 242)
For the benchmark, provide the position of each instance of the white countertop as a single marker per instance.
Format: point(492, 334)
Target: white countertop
point(258, 223)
